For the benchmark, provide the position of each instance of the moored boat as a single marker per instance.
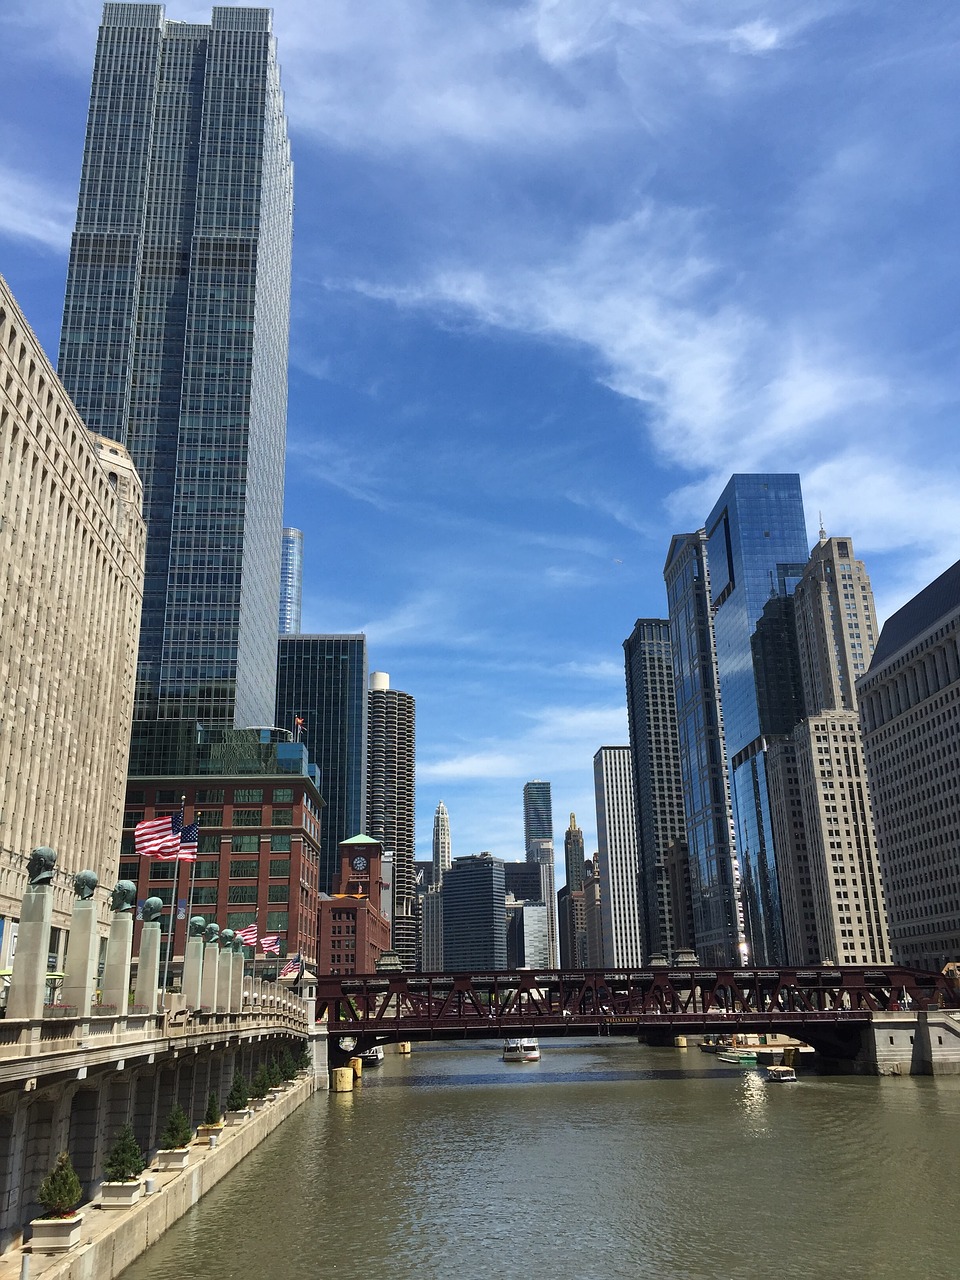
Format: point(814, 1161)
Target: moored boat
point(373, 1056)
point(738, 1057)
point(523, 1049)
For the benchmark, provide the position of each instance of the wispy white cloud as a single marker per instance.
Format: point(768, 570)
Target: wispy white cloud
point(34, 210)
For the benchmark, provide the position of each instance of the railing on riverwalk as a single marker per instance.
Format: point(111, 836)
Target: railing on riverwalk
point(553, 1002)
point(266, 1007)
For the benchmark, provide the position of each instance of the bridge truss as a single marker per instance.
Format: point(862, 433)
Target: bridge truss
point(556, 1002)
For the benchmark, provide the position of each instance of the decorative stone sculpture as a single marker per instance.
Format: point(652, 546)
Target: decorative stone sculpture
point(198, 926)
point(152, 910)
point(238, 944)
point(123, 896)
point(226, 939)
point(84, 883)
point(211, 932)
point(41, 865)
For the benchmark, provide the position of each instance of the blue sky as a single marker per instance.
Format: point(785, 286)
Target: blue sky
point(561, 266)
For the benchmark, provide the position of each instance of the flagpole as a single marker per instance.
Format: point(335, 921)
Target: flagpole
point(193, 872)
point(173, 909)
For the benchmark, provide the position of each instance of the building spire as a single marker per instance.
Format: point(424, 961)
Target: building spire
point(823, 532)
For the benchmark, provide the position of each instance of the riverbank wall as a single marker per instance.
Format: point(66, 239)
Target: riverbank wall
point(114, 1238)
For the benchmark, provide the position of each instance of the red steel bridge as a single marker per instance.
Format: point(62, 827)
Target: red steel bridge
point(824, 1006)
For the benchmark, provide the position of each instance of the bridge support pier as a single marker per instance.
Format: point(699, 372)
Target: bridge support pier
point(912, 1043)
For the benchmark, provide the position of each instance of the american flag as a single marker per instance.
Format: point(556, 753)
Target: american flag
point(248, 936)
point(271, 945)
point(291, 967)
point(154, 838)
point(189, 837)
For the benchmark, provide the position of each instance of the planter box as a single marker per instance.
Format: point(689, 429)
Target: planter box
point(172, 1159)
point(233, 1118)
point(103, 1011)
point(55, 1235)
point(258, 1103)
point(119, 1195)
point(59, 1011)
point(205, 1130)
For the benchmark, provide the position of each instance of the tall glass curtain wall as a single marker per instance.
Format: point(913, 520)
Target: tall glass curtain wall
point(756, 546)
point(175, 336)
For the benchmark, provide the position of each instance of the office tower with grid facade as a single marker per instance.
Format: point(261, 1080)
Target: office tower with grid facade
point(621, 910)
point(657, 785)
point(756, 544)
point(391, 801)
point(174, 340)
point(910, 713)
point(538, 846)
point(711, 846)
point(291, 582)
point(474, 915)
point(322, 681)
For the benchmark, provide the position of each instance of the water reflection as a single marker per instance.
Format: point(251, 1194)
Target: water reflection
point(606, 1159)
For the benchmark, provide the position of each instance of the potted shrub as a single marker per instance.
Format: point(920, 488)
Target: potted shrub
point(260, 1086)
point(212, 1121)
point(303, 1060)
point(276, 1078)
point(238, 1101)
point(175, 1140)
point(125, 1163)
point(60, 1192)
point(288, 1068)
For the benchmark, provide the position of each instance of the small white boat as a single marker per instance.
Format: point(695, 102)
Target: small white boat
point(781, 1075)
point(526, 1049)
point(373, 1056)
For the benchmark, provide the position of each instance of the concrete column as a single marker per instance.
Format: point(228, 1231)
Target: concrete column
point(146, 996)
point(116, 971)
point(29, 976)
point(208, 984)
point(236, 982)
point(224, 975)
point(83, 946)
point(192, 972)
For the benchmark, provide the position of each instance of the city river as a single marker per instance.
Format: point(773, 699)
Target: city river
point(605, 1159)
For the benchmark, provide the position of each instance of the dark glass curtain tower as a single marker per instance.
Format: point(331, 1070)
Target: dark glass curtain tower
point(175, 334)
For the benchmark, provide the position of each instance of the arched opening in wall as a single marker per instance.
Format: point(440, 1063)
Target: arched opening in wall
point(83, 1137)
point(38, 1157)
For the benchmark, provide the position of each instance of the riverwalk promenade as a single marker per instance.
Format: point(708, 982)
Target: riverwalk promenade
point(113, 1238)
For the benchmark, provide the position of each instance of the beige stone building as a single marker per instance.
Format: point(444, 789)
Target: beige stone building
point(910, 713)
point(831, 887)
point(71, 585)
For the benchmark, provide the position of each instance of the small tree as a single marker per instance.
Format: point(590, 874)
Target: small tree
point(213, 1110)
point(178, 1130)
point(239, 1094)
point(303, 1060)
point(288, 1068)
point(125, 1161)
point(261, 1081)
point(60, 1192)
point(276, 1076)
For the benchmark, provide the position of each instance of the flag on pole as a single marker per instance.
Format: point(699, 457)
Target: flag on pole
point(248, 936)
point(154, 837)
point(189, 838)
point(291, 967)
point(270, 945)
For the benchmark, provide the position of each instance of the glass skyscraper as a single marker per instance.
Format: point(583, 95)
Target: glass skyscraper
point(322, 680)
point(175, 335)
point(756, 548)
point(291, 582)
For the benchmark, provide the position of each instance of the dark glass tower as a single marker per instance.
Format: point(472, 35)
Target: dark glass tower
point(322, 680)
point(714, 876)
point(474, 915)
point(174, 339)
point(756, 541)
point(657, 786)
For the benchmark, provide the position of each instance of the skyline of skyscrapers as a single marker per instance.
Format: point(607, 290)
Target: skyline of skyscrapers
point(174, 340)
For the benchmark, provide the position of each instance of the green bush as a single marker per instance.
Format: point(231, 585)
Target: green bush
point(261, 1081)
point(303, 1059)
point(60, 1192)
point(239, 1094)
point(212, 1115)
point(288, 1068)
point(125, 1160)
point(276, 1075)
point(178, 1130)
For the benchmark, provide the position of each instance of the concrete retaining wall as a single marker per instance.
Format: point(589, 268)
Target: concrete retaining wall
point(112, 1239)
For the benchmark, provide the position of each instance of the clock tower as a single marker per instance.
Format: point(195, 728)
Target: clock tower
point(361, 859)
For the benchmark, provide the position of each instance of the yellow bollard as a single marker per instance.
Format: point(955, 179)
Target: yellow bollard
point(356, 1066)
point(342, 1080)
point(404, 1047)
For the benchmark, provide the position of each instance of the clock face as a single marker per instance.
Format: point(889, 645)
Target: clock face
point(359, 863)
